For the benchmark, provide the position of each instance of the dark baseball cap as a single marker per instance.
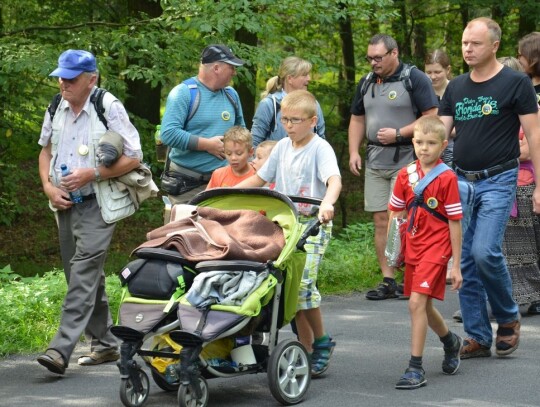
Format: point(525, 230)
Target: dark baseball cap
point(74, 62)
point(220, 53)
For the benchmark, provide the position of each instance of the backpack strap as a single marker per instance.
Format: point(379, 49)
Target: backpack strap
point(419, 194)
point(369, 80)
point(277, 108)
point(96, 99)
point(195, 98)
point(53, 106)
point(404, 77)
point(429, 177)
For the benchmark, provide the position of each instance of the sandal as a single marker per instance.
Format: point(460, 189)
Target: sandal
point(383, 291)
point(320, 357)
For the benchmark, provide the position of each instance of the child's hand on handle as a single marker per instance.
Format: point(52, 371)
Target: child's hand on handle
point(326, 212)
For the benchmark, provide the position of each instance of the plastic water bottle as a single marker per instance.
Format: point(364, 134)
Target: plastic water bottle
point(171, 376)
point(75, 196)
point(161, 149)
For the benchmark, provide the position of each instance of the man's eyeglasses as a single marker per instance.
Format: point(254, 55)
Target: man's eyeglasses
point(377, 58)
point(292, 120)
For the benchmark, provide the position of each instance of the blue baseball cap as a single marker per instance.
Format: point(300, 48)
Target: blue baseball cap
point(220, 53)
point(74, 62)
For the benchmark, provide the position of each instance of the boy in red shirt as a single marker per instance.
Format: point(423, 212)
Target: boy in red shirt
point(431, 239)
point(237, 143)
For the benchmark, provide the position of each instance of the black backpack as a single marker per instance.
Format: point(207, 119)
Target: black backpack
point(96, 99)
point(404, 76)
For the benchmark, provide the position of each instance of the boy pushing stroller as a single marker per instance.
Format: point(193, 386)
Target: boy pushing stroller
point(305, 165)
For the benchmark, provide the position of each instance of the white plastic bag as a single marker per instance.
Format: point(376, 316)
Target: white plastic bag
point(394, 252)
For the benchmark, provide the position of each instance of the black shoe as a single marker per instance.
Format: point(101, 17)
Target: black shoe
point(53, 360)
point(383, 291)
point(534, 308)
point(400, 292)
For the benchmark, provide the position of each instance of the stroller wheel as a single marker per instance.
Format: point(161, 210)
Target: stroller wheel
point(289, 372)
point(187, 397)
point(135, 394)
point(162, 382)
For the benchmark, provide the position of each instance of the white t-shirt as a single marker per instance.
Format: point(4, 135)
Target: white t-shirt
point(301, 171)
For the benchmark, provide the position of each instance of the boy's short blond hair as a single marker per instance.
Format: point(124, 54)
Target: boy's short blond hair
point(301, 100)
point(431, 125)
point(269, 144)
point(240, 135)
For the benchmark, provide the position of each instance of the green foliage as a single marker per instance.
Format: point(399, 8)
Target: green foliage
point(350, 263)
point(31, 307)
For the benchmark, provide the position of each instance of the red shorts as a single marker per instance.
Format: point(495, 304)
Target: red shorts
point(425, 278)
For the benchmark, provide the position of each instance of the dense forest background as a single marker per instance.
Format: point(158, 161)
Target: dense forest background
point(146, 47)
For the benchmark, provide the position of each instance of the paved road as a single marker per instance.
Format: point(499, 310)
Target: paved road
point(372, 352)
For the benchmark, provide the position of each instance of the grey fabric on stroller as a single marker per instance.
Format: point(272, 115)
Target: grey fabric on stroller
point(224, 287)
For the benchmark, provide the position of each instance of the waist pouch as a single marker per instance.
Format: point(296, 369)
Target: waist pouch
point(155, 279)
point(174, 183)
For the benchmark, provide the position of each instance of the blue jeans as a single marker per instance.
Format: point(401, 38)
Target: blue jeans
point(486, 209)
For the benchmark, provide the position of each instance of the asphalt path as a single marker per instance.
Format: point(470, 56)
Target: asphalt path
point(372, 352)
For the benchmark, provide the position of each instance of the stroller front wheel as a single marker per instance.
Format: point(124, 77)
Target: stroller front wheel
point(187, 397)
point(289, 372)
point(134, 390)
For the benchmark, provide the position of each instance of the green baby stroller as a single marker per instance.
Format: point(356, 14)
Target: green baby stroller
point(213, 336)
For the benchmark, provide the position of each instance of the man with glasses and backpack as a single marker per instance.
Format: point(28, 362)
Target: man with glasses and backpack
point(387, 103)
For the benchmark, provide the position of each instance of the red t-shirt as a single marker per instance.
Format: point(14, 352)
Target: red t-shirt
point(225, 177)
point(429, 237)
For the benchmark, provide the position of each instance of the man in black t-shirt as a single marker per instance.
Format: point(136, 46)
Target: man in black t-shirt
point(487, 107)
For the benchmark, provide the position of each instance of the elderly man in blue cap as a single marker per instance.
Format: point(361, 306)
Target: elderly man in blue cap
point(70, 135)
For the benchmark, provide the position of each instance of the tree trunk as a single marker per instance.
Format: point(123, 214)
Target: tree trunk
point(246, 89)
point(347, 83)
point(143, 100)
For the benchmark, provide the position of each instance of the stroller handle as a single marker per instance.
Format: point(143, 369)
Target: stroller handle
point(312, 229)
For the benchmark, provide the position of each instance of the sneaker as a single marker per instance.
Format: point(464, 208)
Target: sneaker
point(450, 364)
point(507, 338)
point(412, 379)
point(320, 358)
point(472, 349)
point(99, 357)
point(383, 291)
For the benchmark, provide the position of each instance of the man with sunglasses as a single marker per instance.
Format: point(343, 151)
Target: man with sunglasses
point(385, 115)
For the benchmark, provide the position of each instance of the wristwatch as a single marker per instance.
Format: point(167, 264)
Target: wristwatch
point(399, 137)
point(97, 175)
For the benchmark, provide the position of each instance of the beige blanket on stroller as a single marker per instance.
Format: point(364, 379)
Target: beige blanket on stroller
point(214, 234)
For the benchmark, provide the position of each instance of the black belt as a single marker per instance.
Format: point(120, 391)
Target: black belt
point(190, 173)
point(490, 172)
point(88, 197)
point(406, 142)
